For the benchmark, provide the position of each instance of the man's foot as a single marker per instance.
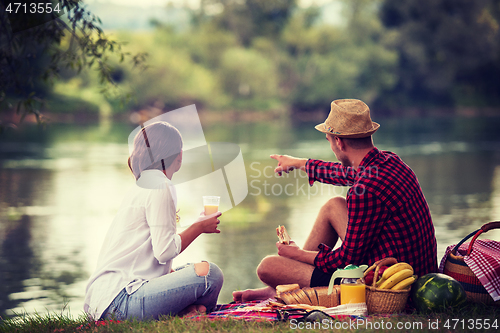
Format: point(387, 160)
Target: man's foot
point(193, 310)
point(201, 309)
point(242, 296)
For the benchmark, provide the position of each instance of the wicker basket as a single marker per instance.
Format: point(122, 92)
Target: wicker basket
point(458, 269)
point(384, 300)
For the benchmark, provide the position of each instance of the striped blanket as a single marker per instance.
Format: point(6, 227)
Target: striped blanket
point(257, 311)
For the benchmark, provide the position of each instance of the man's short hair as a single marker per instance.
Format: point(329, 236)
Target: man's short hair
point(358, 143)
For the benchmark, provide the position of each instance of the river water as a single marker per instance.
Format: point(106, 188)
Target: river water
point(61, 187)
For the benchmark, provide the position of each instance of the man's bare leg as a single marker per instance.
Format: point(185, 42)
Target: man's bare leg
point(273, 271)
point(276, 270)
point(330, 224)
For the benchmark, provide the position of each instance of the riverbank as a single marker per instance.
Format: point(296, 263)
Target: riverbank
point(207, 116)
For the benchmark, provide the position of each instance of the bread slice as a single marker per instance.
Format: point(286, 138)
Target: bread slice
point(286, 287)
point(295, 296)
point(312, 296)
point(304, 299)
point(335, 296)
point(323, 297)
point(288, 298)
point(283, 288)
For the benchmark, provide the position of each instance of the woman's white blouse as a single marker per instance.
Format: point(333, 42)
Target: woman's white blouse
point(140, 244)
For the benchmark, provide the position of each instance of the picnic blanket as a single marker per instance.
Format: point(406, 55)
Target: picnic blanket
point(258, 311)
point(484, 262)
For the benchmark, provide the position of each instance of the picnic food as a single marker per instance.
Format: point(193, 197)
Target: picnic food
point(382, 265)
point(282, 288)
point(283, 236)
point(395, 269)
point(311, 296)
point(437, 292)
point(405, 283)
point(311, 293)
point(352, 293)
point(275, 305)
point(396, 278)
point(393, 277)
point(369, 277)
point(286, 287)
point(388, 300)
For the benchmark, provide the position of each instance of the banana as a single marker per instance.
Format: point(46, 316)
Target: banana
point(396, 278)
point(393, 270)
point(405, 283)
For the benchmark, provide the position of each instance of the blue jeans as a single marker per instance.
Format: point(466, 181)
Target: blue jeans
point(168, 295)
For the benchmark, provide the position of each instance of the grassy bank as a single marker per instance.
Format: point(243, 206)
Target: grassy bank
point(473, 318)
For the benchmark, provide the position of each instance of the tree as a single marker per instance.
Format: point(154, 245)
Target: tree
point(445, 46)
point(349, 60)
point(249, 18)
point(35, 47)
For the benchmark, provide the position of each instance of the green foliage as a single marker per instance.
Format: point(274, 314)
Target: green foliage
point(331, 62)
point(248, 19)
point(266, 55)
point(32, 54)
point(205, 45)
point(203, 66)
point(173, 78)
point(297, 62)
point(246, 74)
point(448, 49)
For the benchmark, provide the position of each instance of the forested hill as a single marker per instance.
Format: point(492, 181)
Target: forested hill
point(399, 56)
point(135, 18)
point(396, 54)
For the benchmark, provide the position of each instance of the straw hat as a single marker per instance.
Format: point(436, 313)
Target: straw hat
point(349, 118)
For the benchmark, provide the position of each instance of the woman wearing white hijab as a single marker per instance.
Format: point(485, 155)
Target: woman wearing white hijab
point(134, 276)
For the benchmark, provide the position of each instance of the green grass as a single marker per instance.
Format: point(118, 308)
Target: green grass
point(41, 323)
point(467, 318)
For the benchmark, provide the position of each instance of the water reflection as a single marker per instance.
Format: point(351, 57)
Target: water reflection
point(60, 189)
point(15, 249)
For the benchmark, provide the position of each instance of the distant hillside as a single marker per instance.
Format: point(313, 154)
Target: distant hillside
point(121, 17)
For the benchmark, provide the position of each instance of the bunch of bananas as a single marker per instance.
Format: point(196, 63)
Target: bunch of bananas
point(397, 277)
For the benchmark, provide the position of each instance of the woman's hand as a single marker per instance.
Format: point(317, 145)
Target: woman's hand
point(203, 225)
point(209, 223)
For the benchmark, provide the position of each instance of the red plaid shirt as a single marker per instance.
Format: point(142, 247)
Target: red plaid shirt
point(387, 212)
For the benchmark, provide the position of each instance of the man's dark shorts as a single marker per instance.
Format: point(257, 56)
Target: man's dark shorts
point(320, 278)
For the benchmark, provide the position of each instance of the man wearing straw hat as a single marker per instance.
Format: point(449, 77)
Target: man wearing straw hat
point(385, 213)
